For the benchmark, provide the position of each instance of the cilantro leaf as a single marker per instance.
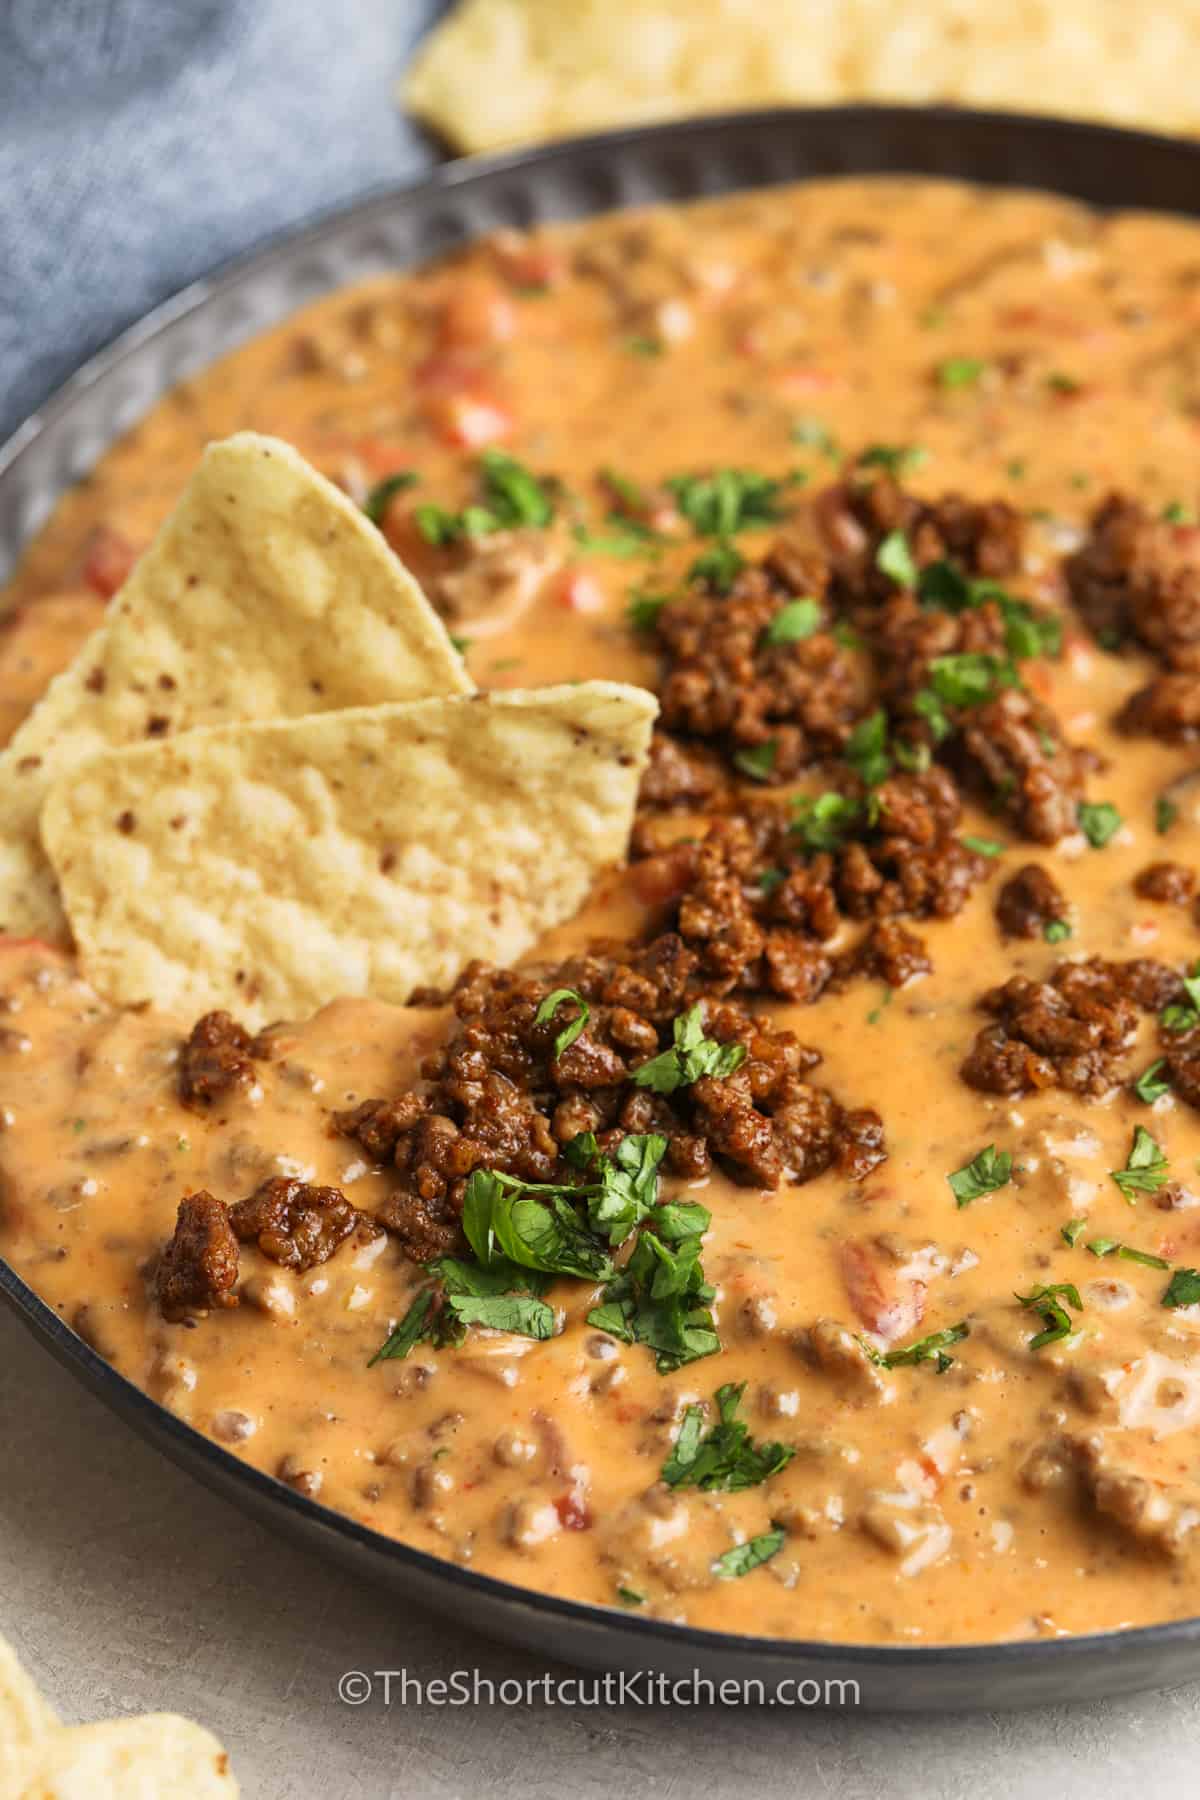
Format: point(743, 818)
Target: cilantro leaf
point(1183, 1289)
point(1166, 811)
point(866, 749)
point(1056, 1320)
point(1073, 1230)
point(1152, 1084)
point(797, 620)
point(927, 1349)
point(535, 1226)
point(757, 760)
point(510, 496)
point(718, 568)
point(414, 1327)
point(384, 492)
point(725, 1458)
point(643, 609)
point(691, 1056)
point(990, 1170)
point(571, 1031)
point(1146, 1168)
point(728, 501)
point(897, 460)
point(960, 371)
point(1056, 931)
point(1099, 821)
point(751, 1555)
point(894, 557)
point(661, 1298)
point(824, 821)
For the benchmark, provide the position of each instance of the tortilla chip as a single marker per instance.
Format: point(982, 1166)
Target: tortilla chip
point(267, 594)
point(500, 72)
point(131, 1759)
point(26, 1721)
point(269, 868)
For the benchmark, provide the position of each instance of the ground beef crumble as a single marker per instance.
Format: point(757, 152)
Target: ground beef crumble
point(290, 1223)
point(728, 688)
point(198, 1268)
point(1135, 578)
point(217, 1058)
point(1069, 1031)
point(1029, 901)
point(497, 1097)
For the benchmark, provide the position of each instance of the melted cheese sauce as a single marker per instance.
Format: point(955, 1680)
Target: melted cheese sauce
point(911, 1512)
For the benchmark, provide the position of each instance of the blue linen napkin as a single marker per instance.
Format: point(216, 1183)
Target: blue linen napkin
point(144, 142)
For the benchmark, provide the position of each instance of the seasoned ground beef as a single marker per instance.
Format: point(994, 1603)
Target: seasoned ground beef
point(752, 897)
point(1170, 882)
point(784, 704)
point(1029, 901)
point(199, 1265)
point(682, 775)
point(855, 516)
point(497, 1097)
point(1135, 579)
point(297, 1225)
point(1014, 747)
point(217, 1058)
point(1070, 1031)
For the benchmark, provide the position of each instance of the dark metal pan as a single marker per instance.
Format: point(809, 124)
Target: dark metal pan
point(1105, 167)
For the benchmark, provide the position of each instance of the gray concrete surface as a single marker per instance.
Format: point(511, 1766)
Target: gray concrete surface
point(126, 1587)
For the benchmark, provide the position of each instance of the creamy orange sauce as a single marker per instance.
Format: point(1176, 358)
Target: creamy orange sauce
point(907, 1516)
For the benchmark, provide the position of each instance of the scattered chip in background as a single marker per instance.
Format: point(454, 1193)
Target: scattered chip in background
point(517, 71)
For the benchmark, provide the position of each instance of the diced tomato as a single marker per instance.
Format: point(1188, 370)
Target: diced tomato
point(528, 264)
point(578, 592)
point(108, 558)
point(468, 420)
point(885, 1299)
point(799, 382)
point(573, 1513)
point(477, 315)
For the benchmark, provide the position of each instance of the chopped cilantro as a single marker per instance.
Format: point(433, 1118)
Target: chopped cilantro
point(1056, 931)
point(758, 761)
point(1105, 1246)
point(824, 821)
point(990, 1170)
point(1183, 1289)
point(960, 371)
point(644, 608)
point(1056, 1320)
point(797, 620)
point(644, 346)
point(866, 749)
point(1145, 1168)
point(630, 1597)
point(534, 1225)
point(718, 568)
point(1099, 822)
point(1166, 811)
point(927, 1349)
point(984, 846)
point(728, 501)
point(1176, 513)
point(510, 496)
point(570, 1032)
point(1152, 1084)
point(1179, 1016)
point(969, 678)
point(1060, 383)
point(691, 1056)
point(1073, 1230)
point(897, 459)
point(725, 1458)
point(384, 492)
point(894, 558)
point(751, 1555)
point(661, 1298)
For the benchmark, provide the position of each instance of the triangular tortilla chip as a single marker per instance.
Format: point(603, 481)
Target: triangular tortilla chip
point(269, 868)
point(267, 594)
point(26, 1721)
point(131, 1759)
